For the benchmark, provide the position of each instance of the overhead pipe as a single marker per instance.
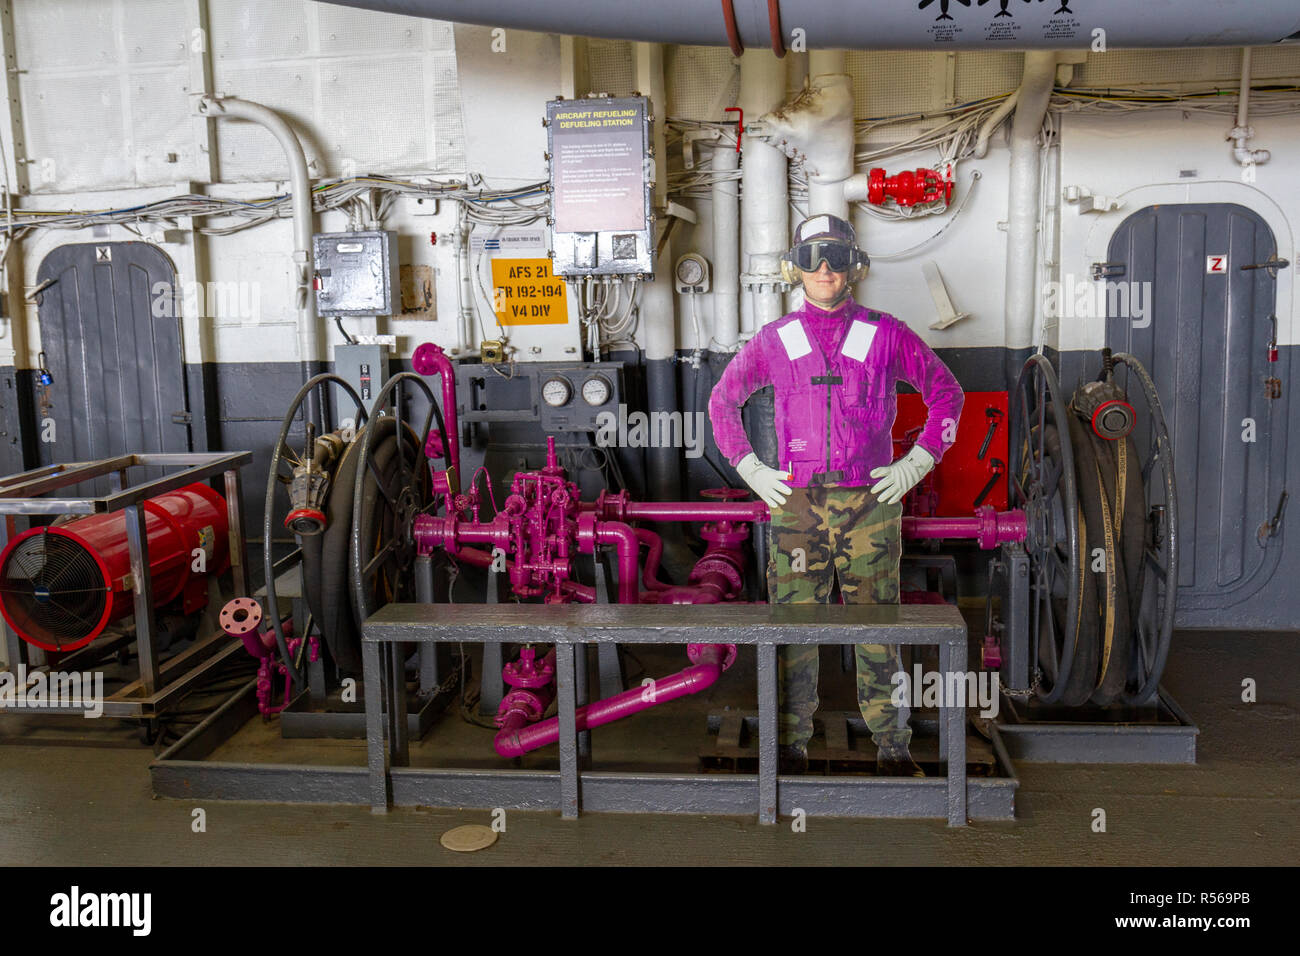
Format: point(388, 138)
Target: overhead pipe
point(1022, 204)
point(890, 26)
point(309, 334)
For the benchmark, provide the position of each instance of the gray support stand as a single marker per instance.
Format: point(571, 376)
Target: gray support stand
point(491, 687)
point(397, 731)
point(581, 690)
point(376, 744)
point(952, 734)
point(14, 645)
point(570, 627)
point(1015, 618)
point(236, 536)
point(137, 543)
point(609, 657)
point(767, 733)
point(568, 731)
point(428, 653)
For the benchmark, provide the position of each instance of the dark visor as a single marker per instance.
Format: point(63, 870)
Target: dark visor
point(809, 256)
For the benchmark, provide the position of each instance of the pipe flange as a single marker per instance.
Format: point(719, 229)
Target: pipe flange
point(695, 653)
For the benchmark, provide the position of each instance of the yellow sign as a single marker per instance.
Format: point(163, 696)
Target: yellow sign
point(526, 293)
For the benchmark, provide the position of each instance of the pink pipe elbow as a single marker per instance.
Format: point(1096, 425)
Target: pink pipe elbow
point(710, 660)
point(655, 544)
point(429, 359)
point(629, 549)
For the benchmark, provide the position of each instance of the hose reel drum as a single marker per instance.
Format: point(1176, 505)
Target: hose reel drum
point(1096, 481)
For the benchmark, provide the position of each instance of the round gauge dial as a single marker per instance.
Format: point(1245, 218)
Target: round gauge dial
point(690, 271)
point(596, 391)
point(556, 392)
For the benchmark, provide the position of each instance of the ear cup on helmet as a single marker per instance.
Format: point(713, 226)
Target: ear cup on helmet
point(861, 266)
point(789, 273)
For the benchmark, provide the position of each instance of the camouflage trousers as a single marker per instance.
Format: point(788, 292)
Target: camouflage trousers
point(821, 534)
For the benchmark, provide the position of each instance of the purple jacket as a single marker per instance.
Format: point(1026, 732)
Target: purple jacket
point(835, 375)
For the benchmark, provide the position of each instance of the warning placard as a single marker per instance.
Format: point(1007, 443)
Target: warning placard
point(527, 293)
point(598, 165)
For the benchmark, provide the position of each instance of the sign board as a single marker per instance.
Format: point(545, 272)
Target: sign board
point(527, 292)
point(601, 179)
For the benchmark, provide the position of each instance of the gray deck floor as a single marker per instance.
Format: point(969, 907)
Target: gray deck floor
point(65, 804)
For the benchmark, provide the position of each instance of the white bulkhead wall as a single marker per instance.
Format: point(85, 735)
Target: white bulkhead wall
point(494, 130)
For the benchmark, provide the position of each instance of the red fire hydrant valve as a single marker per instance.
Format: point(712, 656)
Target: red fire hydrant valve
point(909, 188)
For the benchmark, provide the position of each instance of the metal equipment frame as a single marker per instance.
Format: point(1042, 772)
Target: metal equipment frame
point(392, 781)
point(161, 685)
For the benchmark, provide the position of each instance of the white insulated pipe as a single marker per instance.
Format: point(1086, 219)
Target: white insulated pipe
point(658, 299)
point(765, 196)
point(726, 247)
point(309, 335)
point(1022, 197)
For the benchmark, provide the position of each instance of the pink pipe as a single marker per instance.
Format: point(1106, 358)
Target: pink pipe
point(629, 549)
point(429, 359)
point(650, 577)
point(696, 511)
point(710, 660)
point(989, 527)
point(480, 559)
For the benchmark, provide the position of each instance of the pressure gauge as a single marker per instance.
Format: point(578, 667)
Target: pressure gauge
point(596, 391)
point(692, 273)
point(556, 392)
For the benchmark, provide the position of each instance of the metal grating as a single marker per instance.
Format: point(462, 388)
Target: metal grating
point(63, 114)
point(161, 125)
point(261, 29)
point(611, 67)
point(155, 32)
point(387, 133)
point(116, 73)
point(695, 76)
point(984, 73)
point(897, 81)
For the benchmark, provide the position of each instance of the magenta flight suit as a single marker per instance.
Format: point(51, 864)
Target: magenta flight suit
point(834, 375)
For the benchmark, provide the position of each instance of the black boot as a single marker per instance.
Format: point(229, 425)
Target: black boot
point(791, 759)
point(894, 760)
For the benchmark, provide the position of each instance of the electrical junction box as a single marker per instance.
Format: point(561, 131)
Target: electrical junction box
point(356, 274)
point(602, 185)
point(365, 368)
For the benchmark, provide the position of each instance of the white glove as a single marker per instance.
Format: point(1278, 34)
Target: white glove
point(901, 477)
point(768, 483)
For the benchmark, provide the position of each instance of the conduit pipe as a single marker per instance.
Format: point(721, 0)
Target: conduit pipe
point(1022, 204)
point(989, 125)
point(1242, 133)
point(309, 334)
